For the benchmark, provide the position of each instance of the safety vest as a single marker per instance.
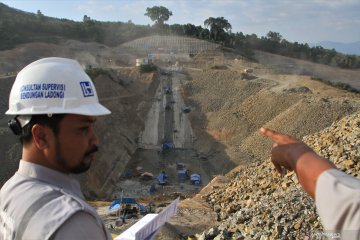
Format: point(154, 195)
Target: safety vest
point(31, 209)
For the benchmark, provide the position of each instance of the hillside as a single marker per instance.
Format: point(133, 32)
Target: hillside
point(19, 27)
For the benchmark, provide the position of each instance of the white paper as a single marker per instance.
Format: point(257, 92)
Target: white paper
point(149, 223)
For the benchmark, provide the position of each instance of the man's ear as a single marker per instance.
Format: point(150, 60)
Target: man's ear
point(41, 136)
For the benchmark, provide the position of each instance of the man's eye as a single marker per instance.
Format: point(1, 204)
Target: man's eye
point(84, 129)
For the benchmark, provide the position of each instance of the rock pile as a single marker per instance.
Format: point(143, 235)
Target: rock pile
point(340, 143)
point(258, 203)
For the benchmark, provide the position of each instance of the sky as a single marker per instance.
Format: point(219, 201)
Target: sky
point(304, 21)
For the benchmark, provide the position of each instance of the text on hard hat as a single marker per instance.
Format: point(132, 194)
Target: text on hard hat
point(45, 90)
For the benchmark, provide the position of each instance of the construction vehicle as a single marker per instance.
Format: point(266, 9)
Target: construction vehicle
point(127, 206)
point(247, 74)
point(195, 179)
point(185, 109)
point(167, 107)
point(183, 173)
point(166, 146)
point(167, 90)
point(162, 178)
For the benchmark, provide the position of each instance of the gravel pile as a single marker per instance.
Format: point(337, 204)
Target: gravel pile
point(340, 143)
point(260, 204)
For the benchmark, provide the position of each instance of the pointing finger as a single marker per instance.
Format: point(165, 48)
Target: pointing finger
point(277, 137)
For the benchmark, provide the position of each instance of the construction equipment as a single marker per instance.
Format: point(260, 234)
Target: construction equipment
point(185, 109)
point(162, 178)
point(167, 107)
point(167, 90)
point(195, 179)
point(126, 206)
point(166, 146)
point(182, 171)
point(182, 174)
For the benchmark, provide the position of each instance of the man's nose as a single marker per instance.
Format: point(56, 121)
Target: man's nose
point(94, 140)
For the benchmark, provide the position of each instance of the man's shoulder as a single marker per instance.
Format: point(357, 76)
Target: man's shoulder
point(81, 225)
point(36, 194)
point(19, 185)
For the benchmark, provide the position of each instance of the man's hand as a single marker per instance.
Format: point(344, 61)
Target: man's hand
point(286, 149)
point(295, 155)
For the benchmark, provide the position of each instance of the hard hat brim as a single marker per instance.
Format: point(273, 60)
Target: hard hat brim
point(95, 109)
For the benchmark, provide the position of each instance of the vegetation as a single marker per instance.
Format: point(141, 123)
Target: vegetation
point(159, 14)
point(217, 27)
point(219, 67)
point(339, 85)
point(18, 27)
point(146, 68)
point(95, 72)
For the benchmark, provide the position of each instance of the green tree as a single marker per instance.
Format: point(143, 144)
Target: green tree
point(217, 26)
point(176, 29)
point(274, 36)
point(272, 42)
point(190, 30)
point(86, 18)
point(159, 14)
point(39, 15)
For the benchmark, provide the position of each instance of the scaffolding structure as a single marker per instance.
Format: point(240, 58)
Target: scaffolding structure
point(171, 44)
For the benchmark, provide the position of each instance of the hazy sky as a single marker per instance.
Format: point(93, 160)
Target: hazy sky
point(308, 21)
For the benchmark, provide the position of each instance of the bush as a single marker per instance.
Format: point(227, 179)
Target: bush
point(94, 72)
point(145, 68)
point(219, 67)
point(339, 85)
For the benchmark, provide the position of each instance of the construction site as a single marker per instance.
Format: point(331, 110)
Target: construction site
point(181, 129)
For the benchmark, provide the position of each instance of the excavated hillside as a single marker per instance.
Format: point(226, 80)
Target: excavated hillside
point(253, 201)
point(230, 111)
point(219, 133)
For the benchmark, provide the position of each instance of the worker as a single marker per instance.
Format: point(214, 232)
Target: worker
point(336, 194)
point(55, 105)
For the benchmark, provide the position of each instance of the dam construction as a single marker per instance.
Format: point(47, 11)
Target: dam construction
point(185, 123)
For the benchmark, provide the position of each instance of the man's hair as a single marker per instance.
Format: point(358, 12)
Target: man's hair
point(51, 122)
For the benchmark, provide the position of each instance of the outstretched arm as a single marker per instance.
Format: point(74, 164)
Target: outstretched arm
point(295, 155)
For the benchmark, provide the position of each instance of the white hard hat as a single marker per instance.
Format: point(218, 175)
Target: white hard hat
point(54, 86)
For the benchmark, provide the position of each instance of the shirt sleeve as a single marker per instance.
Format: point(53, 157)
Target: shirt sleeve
point(337, 200)
point(81, 226)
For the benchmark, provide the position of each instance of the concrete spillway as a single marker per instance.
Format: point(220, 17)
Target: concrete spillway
point(165, 120)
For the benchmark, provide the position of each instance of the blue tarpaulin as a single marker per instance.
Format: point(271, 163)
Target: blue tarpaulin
point(117, 203)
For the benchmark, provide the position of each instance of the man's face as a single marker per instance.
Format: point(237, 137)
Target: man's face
point(76, 143)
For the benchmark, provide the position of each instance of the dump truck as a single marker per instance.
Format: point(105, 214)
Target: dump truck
point(162, 178)
point(182, 171)
point(195, 179)
point(185, 109)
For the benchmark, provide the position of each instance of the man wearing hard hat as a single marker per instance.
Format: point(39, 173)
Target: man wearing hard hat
point(55, 105)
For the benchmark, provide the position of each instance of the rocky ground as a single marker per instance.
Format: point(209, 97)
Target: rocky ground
point(258, 203)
